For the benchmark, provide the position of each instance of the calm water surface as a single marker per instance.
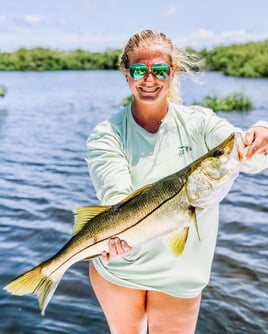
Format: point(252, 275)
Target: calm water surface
point(44, 122)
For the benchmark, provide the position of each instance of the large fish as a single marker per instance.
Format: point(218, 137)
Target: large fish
point(164, 208)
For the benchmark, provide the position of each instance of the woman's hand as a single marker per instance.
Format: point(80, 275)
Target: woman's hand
point(256, 141)
point(117, 248)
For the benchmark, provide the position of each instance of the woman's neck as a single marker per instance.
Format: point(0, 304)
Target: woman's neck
point(149, 117)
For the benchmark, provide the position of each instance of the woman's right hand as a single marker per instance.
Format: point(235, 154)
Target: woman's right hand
point(117, 248)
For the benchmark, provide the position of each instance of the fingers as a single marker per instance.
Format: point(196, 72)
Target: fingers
point(249, 137)
point(251, 150)
point(105, 257)
point(256, 141)
point(117, 248)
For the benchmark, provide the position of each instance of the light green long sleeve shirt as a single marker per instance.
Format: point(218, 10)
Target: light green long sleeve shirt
point(123, 157)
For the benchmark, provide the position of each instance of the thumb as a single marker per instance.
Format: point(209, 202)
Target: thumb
point(250, 134)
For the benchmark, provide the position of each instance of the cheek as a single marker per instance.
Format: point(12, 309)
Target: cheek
point(131, 83)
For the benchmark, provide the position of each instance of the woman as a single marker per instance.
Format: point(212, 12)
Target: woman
point(147, 286)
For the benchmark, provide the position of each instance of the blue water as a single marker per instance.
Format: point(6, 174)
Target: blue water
point(45, 119)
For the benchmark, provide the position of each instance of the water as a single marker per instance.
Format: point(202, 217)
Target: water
point(45, 119)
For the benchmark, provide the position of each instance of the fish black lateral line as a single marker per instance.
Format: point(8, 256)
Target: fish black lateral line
point(164, 209)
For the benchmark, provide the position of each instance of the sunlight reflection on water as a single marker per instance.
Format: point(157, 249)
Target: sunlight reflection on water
point(44, 122)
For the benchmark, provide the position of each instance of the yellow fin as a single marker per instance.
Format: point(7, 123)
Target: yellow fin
point(84, 214)
point(34, 281)
point(177, 241)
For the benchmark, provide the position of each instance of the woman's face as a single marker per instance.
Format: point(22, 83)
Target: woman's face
point(149, 89)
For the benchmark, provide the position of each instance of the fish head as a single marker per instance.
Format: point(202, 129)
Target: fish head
point(213, 174)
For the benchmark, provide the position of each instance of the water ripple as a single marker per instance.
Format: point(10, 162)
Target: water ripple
point(44, 123)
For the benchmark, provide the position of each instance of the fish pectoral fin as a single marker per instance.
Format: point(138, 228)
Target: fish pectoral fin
point(177, 240)
point(192, 212)
point(83, 215)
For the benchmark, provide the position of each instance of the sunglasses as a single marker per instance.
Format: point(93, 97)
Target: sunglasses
point(139, 71)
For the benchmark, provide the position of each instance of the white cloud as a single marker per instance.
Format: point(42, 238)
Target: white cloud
point(92, 42)
point(33, 19)
point(204, 38)
point(58, 39)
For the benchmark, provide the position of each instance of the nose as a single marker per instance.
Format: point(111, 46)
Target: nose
point(149, 75)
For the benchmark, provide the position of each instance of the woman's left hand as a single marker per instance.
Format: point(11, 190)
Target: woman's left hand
point(117, 248)
point(256, 141)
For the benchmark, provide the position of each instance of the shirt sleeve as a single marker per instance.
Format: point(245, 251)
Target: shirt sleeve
point(216, 129)
point(258, 162)
point(108, 165)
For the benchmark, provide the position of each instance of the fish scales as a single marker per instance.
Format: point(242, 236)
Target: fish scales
point(165, 206)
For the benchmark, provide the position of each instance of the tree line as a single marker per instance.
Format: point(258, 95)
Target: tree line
point(42, 59)
point(243, 60)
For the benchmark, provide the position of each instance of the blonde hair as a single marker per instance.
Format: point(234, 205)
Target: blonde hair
point(180, 61)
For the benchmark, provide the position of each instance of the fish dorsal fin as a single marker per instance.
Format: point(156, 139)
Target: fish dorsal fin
point(84, 214)
point(177, 240)
point(134, 194)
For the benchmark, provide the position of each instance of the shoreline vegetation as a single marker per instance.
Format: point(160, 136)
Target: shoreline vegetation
point(3, 91)
point(248, 60)
point(236, 101)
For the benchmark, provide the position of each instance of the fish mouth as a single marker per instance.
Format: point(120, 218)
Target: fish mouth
point(216, 178)
point(240, 146)
point(236, 156)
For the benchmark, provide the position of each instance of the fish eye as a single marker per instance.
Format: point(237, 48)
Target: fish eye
point(218, 153)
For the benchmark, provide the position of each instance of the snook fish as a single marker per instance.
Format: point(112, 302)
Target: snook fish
point(164, 208)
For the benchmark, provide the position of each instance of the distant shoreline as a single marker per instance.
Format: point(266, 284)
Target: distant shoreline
point(248, 60)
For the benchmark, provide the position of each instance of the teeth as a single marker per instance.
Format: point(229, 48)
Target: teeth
point(149, 90)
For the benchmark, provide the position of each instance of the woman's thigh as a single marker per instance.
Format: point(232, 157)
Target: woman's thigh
point(124, 308)
point(168, 314)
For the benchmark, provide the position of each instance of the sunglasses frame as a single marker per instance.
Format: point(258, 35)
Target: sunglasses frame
point(139, 66)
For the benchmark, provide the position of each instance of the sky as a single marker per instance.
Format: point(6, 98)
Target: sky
point(99, 25)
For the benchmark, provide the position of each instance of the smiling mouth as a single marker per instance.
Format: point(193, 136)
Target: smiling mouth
point(149, 90)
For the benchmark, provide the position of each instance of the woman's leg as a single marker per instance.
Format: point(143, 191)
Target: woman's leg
point(124, 308)
point(172, 315)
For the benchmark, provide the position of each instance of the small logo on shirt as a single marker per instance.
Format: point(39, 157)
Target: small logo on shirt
point(183, 150)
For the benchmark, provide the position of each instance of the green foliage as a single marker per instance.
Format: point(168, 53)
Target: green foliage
point(241, 60)
point(40, 59)
point(233, 102)
point(3, 91)
point(244, 60)
point(126, 101)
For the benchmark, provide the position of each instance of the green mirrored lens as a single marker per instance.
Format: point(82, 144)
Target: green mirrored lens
point(161, 71)
point(138, 71)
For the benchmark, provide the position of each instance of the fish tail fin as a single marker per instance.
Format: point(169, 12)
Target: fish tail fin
point(34, 281)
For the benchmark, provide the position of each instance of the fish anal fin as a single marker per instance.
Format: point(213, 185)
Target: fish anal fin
point(84, 214)
point(177, 240)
